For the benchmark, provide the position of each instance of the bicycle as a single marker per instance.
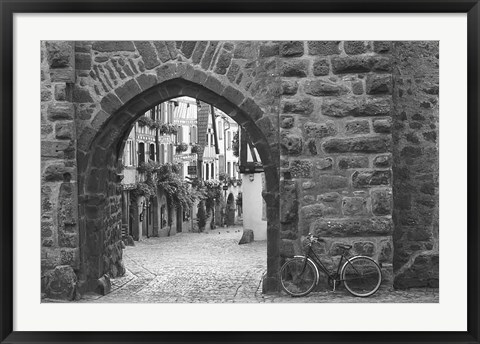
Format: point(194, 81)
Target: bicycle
point(361, 275)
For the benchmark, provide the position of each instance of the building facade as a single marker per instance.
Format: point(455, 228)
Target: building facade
point(168, 134)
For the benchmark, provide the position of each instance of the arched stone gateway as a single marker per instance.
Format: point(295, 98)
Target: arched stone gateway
point(319, 113)
point(98, 178)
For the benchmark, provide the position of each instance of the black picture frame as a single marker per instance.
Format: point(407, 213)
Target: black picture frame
point(10, 7)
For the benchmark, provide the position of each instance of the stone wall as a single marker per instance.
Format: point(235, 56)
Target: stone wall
point(415, 157)
point(336, 147)
point(319, 112)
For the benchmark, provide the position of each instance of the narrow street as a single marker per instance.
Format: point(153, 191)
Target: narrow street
point(211, 267)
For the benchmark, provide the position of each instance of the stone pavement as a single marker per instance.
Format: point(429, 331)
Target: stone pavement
point(211, 267)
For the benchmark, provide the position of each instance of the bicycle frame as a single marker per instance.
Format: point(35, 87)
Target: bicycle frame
point(318, 264)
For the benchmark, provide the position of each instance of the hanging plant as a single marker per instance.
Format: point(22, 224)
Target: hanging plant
point(181, 147)
point(195, 149)
point(235, 145)
point(168, 129)
point(223, 177)
point(145, 121)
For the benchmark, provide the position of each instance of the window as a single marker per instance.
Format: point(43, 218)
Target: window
point(141, 152)
point(228, 168)
point(206, 172)
point(229, 140)
point(194, 134)
point(152, 152)
point(126, 154)
point(212, 170)
point(162, 154)
point(170, 152)
point(180, 135)
point(220, 130)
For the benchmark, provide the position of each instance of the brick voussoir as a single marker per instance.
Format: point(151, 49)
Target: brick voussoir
point(166, 72)
point(86, 138)
point(251, 109)
point(233, 95)
point(99, 119)
point(146, 81)
point(129, 90)
point(111, 103)
point(214, 85)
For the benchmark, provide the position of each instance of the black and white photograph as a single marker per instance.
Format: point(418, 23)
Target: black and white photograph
point(239, 171)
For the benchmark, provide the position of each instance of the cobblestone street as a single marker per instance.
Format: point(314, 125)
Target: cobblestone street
point(211, 267)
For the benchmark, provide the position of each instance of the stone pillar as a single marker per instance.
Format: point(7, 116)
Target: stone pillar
point(335, 138)
point(415, 164)
point(60, 234)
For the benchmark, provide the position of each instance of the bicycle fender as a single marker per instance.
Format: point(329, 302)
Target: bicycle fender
point(314, 265)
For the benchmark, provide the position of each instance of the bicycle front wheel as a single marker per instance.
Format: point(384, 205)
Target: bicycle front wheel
point(362, 276)
point(298, 276)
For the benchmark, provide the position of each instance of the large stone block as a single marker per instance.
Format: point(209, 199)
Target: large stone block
point(288, 202)
point(60, 283)
point(57, 149)
point(366, 144)
point(323, 47)
point(363, 179)
point(360, 64)
point(59, 53)
point(302, 106)
point(289, 87)
point(357, 107)
point(301, 168)
point(356, 47)
point(320, 130)
point(364, 248)
point(328, 181)
point(354, 227)
point(379, 84)
point(81, 95)
point(294, 68)
point(111, 46)
point(321, 67)
point(348, 162)
point(383, 126)
point(64, 131)
point(291, 48)
point(383, 160)
point(357, 127)
point(354, 206)
point(381, 202)
point(319, 87)
point(83, 61)
point(60, 111)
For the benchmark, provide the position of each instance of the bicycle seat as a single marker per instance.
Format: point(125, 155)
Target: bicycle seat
point(345, 247)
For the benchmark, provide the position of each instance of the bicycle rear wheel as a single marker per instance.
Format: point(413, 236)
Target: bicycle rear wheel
point(298, 276)
point(362, 276)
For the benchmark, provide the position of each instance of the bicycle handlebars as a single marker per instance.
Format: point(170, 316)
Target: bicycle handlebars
point(314, 238)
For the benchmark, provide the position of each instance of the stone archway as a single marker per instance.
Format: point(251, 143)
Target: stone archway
point(99, 211)
point(323, 113)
